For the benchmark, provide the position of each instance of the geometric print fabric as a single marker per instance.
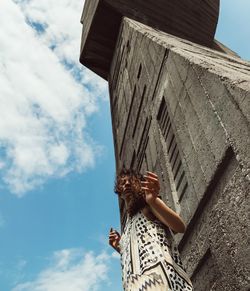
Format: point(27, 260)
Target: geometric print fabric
point(149, 261)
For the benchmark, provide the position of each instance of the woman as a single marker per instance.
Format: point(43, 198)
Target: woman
point(149, 261)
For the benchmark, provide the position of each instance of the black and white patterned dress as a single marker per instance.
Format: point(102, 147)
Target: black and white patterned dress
point(149, 262)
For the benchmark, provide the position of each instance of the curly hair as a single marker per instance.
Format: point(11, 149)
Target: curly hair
point(137, 201)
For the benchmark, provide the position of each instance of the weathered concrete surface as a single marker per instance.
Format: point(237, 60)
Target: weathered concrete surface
point(182, 110)
point(229, 234)
point(195, 20)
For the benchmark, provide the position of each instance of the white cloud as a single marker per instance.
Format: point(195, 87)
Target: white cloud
point(71, 270)
point(44, 103)
point(2, 165)
point(116, 255)
point(62, 31)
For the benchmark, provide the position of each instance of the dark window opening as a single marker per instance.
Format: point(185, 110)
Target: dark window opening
point(139, 72)
point(166, 129)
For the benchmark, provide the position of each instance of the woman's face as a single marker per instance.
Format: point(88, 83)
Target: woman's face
point(130, 192)
point(126, 192)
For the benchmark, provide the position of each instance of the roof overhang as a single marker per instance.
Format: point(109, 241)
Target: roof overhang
point(194, 20)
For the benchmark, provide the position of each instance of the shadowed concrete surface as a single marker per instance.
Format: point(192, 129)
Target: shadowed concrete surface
point(182, 110)
point(195, 20)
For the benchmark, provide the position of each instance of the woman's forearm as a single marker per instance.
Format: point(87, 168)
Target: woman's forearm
point(167, 216)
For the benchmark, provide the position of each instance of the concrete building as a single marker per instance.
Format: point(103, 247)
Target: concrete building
point(180, 107)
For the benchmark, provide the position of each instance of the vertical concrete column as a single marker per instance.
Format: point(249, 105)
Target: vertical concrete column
point(183, 112)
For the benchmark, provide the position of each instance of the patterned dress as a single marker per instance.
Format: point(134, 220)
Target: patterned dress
point(149, 262)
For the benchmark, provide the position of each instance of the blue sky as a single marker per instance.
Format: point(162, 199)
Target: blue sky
point(56, 149)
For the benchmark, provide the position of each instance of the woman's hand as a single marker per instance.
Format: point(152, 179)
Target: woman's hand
point(165, 214)
point(151, 187)
point(114, 239)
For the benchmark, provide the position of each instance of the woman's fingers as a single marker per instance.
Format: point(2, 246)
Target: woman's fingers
point(114, 231)
point(151, 186)
point(114, 239)
point(114, 236)
point(151, 179)
point(151, 189)
point(151, 174)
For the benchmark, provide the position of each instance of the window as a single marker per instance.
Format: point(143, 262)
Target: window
point(139, 110)
point(143, 143)
point(139, 72)
point(166, 129)
point(128, 120)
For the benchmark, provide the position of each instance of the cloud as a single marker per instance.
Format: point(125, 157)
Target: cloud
point(58, 26)
point(46, 97)
point(115, 255)
point(71, 270)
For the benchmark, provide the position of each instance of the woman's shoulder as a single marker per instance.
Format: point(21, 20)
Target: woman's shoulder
point(150, 217)
point(148, 214)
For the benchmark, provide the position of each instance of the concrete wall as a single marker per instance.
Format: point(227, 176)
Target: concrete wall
point(194, 20)
point(182, 111)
